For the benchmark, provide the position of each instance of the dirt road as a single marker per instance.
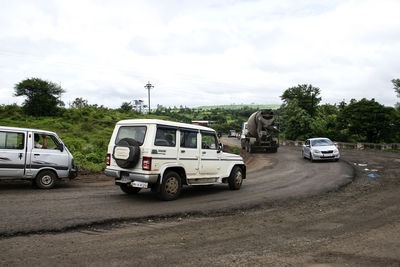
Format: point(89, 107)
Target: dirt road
point(271, 177)
point(358, 225)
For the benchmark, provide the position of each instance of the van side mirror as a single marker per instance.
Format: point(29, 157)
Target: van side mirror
point(60, 147)
point(220, 147)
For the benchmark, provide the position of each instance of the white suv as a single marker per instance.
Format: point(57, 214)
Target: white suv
point(164, 155)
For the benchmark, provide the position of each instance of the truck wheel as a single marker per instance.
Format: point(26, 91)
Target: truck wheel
point(235, 179)
point(170, 187)
point(129, 190)
point(248, 147)
point(46, 180)
point(132, 157)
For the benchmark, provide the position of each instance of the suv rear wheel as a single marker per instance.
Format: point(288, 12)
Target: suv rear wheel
point(129, 190)
point(170, 187)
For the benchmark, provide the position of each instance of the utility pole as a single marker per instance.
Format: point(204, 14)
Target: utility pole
point(148, 86)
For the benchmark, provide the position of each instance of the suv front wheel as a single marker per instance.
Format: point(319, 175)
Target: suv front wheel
point(170, 187)
point(236, 178)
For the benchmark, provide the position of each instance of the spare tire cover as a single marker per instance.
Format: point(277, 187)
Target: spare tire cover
point(126, 153)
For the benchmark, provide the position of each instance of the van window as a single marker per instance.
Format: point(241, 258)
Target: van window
point(9, 140)
point(52, 142)
point(188, 139)
point(208, 141)
point(135, 132)
point(165, 137)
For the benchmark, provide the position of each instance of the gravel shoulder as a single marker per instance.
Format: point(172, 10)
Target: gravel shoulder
point(356, 225)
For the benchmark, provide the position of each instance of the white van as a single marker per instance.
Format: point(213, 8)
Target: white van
point(36, 155)
point(164, 155)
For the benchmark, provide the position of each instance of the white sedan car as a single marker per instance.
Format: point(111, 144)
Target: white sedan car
point(320, 149)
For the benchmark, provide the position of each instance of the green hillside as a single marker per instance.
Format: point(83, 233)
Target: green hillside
point(86, 131)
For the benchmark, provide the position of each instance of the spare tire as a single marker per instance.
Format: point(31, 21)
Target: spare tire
point(126, 153)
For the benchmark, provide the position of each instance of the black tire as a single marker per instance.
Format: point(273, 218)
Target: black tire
point(248, 147)
point(129, 190)
point(134, 153)
point(303, 155)
point(46, 180)
point(235, 179)
point(170, 187)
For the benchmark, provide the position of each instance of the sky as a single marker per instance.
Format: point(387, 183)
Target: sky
point(201, 52)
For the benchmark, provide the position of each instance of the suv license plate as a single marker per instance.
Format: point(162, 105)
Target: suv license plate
point(139, 184)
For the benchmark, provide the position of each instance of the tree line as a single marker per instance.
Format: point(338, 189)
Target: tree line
point(357, 121)
point(301, 115)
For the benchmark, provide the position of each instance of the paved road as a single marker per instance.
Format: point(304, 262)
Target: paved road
point(270, 177)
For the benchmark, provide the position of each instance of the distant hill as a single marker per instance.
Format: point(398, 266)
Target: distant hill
point(252, 106)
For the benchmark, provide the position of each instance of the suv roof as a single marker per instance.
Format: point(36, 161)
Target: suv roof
point(163, 122)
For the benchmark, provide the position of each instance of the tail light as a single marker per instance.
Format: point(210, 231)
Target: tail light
point(146, 163)
point(108, 159)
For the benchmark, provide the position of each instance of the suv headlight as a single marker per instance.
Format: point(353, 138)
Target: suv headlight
point(316, 151)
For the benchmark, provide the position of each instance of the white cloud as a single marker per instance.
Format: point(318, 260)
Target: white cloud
point(198, 53)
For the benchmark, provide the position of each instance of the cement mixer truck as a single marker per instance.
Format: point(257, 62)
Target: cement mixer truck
point(260, 133)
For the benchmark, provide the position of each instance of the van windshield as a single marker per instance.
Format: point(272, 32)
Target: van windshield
point(135, 132)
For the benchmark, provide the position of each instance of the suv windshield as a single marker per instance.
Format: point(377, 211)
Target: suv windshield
point(321, 142)
point(135, 132)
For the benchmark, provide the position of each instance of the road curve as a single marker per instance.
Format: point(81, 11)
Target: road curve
point(270, 177)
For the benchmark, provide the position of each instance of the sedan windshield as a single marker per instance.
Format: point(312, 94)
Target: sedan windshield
point(321, 142)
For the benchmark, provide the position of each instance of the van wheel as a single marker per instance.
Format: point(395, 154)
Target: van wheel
point(46, 180)
point(235, 179)
point(170, 187)
point(129, 190)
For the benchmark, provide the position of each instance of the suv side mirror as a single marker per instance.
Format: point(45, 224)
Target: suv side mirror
point(220, 147)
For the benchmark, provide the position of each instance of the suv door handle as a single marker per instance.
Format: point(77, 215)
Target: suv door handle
point(203, 152)
point(36, 155)
point(183, 151)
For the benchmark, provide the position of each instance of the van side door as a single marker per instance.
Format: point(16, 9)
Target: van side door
point(12, 154)
point(53, 155)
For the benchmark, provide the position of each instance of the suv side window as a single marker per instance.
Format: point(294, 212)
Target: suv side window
point(9, 140)
point(188, 139)
point(165, 137)
point(208, 141)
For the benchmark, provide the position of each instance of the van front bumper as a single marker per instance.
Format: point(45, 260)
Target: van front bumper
point(128, 177)
point(73, 173)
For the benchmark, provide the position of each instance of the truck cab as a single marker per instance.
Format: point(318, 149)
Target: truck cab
point(33, 154)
